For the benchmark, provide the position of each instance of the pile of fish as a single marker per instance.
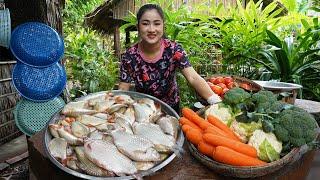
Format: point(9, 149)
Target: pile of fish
point(112, 135)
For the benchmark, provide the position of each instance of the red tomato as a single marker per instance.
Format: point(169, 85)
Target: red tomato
point(245, 86)
point(228, 79)
point(218, 80)
point(212, 80)
point(230, 85)
point(217, 89)
point(210, 84)
point(222, 85)
point(225, 90)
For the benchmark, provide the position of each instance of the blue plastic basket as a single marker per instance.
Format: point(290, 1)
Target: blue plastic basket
point(31, 117)
point(36, 44)
point(39, 84)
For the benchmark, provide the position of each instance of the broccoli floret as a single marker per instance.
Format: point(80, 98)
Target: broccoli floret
point(295, 126)
point(276, 107)
point(235, 96)
point(263, 96)
point(263, 100)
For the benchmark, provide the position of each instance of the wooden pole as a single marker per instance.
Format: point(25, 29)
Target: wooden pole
point(117, 40)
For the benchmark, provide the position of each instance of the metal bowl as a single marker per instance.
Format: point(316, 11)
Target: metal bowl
point(165, 108)
point(281, 86)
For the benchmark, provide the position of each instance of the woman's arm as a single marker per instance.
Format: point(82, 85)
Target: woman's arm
point(200, 85)
point(124, 86)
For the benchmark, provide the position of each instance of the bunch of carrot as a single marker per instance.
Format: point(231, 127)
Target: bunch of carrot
point(215, 139)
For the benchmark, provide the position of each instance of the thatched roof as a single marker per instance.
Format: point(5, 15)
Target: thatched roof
point(102, 19)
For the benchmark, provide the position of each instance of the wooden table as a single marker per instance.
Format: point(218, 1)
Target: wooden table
point(185, 167)
point(311, 107)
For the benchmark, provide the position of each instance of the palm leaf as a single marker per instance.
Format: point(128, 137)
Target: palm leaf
point(304, 67)
point(272, 59)
point(284, 64)
point(274, 40)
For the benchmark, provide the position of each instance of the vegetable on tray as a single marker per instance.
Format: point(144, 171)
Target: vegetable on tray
point(231, 157)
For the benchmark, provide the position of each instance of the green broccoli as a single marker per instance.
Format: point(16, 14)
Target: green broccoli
point(295, 127)
point(263, 100)
point(276, 107)
point(235, 96)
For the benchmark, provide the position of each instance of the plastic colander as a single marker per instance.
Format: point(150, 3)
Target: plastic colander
point(39, 84)
point(36, 44)
point(31, 117)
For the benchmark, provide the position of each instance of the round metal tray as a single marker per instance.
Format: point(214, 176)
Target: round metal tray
point(282, 86)
point(164, 107)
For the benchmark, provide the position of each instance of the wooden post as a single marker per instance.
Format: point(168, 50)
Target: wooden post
point(117, 40)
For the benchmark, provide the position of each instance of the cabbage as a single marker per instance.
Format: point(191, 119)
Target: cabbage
point(221, 111)
point(266, 144)
point(245, 130)
point(267, 152)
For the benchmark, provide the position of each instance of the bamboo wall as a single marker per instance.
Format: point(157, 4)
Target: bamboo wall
point(8, 100)
point(122, 8)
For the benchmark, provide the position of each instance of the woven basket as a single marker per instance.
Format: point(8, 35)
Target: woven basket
point(238, 80)
point(245, 172)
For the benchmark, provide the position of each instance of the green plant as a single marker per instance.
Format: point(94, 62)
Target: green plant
point(243, 34)
point(293, 62)
point(90, 64)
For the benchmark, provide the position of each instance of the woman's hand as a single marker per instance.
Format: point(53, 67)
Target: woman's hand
point(200, 85)
point(124, 86)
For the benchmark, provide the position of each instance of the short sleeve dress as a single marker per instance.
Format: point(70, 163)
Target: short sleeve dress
point(156, 78)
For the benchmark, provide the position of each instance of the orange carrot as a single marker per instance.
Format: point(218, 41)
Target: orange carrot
point(205, 148)
point(184, 121)
point(240, 147)
point(214, 130)
point(219, 124)
point(186, 128)
point(194, 136)
point(195, 118)
point(231, 157)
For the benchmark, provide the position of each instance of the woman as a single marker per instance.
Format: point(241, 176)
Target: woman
point(153, 61)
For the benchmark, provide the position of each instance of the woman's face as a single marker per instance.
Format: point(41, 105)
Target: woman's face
point(150, 27)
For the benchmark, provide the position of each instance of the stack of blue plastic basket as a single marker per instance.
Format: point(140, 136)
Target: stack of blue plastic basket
point(38, 75)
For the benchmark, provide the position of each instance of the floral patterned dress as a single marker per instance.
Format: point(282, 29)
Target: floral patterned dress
point(155, 77)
